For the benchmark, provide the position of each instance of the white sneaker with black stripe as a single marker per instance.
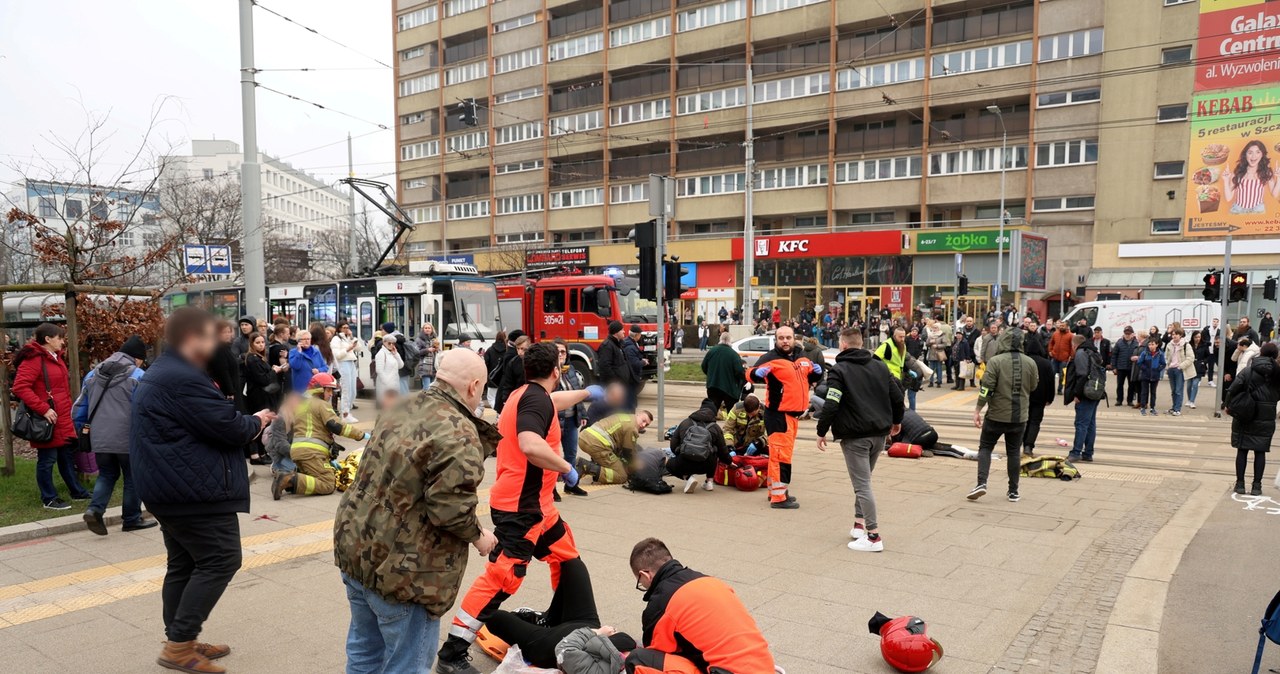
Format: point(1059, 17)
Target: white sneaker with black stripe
point(977, 492)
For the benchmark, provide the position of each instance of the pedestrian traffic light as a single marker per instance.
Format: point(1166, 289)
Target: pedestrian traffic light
point(1213, 286)
point(645, 237)
point(673, 272)
point(1269, 289)
point(467, 112)
point(1239, 286)
point(962, 285)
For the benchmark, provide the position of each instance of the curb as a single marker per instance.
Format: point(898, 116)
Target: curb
point(30, 531)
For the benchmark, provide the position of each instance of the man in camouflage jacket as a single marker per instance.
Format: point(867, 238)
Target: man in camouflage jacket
point(402, 529)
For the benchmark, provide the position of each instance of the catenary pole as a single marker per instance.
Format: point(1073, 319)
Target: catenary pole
point(1224, 294)
point(748, 222)
point(255, 281)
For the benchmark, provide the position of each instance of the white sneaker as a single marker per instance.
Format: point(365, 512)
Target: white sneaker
point(708, 485)
point(1191, 405)
point(857, 533)
point(350, 419)
point(867, 545)
point(690, 483)
point(1213, 384)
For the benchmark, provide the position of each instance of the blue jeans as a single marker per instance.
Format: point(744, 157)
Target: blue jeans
point(1086, 428)
point(112, 467)
point(388, 636)
point(426, 382)
point(283, 464)
point(702, 343)
point(911, 398)
point(62, 456)
point(1193, 389)
point(569, 439)
point(404, 385)
point(1176, 381)
point(936, 366)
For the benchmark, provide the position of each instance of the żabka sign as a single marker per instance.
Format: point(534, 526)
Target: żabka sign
point(1239, 44)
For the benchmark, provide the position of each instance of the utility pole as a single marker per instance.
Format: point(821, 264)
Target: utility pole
point(1224, 293)
point(255, 280)
point(748, 223)
point(1004, 148)
point(662, 207)
point(351, 208)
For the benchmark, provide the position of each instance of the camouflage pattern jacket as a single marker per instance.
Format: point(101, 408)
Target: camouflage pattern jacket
point(403, 527)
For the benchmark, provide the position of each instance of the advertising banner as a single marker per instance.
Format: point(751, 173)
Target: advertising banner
point(772, 247)
point(1239, 44)
point(896, 299)
point(1232, 175)
point(960, 241)
point(545, 256)
point(1030, 261)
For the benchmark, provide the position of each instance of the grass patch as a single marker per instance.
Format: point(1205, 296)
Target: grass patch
point(686, 372)
point(20, 499)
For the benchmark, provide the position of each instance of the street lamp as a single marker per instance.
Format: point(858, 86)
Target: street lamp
point(1004, 163)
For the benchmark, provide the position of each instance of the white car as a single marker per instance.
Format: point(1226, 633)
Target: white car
point(751, 348)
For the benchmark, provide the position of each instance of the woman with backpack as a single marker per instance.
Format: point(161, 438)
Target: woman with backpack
point(695, 457)
point(1251, 402)
point(1181, 359)
point(1151, 365)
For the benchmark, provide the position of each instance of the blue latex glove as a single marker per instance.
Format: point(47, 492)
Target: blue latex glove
point(817, 369)
point(595, 393)
point(571, 478)
point(752, 449)
point(367, 435)
point(732, 454)
point(763, 371)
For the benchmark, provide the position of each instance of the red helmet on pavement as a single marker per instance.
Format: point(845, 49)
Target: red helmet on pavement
point(322, 380)
point(904, 644)
point(746, 479)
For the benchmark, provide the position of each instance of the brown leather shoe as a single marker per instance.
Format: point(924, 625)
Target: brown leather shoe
point(212, 651)
point(184, 657)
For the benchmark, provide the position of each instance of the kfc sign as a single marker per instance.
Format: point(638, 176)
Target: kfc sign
point(825, 245)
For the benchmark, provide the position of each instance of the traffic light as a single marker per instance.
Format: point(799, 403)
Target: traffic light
point(1269, 289)
point(673, 272)
point(1239, 286)
point(1213, 286)
point(962, 285)
point(467, 112)
point(645, 236)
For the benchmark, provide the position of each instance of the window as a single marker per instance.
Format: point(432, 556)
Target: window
point(456, 7)
point(553, 301)
point(793, 176)
point(207, 174)
point(977, 160)
point(626, 194)
point(710, 15)
point(423, 214)
point(812, 221)
point(415, 183)
point(590, 196)
point(427, 148)
point(418, 17)
point(575, 46)
point(517, 132)
point(1077, 97)
point(1170, 3)
point(1171, 113)
point(1066, 153)
point(891, 168)
point(793, 87)
point(588, 300)
point(771, 6)
point(524, 203)
point(124, 211)
point(48, 207)
point(420, 84)
point(983, 58)
point(518, 167)
point(518, 95)
point(512, 24)
point(1166, 226)
point(522, 237)
point(466, 73)
point(640, 112)
point(466, 142)
point(1046, 204)
point(413, 118)
point(880, 74)
point(871, 218)
point(1169, 169)
point(582, 121)
point(640, 32)
point(517, 60)
point(469, 209)
point(98, 209)
point(413, 53)
point(1174, 55)
point(1071, 45)
point(711, 100)
point(702, 186)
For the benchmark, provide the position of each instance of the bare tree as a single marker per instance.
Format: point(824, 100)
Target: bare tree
point(201, 211)
point(331, 252)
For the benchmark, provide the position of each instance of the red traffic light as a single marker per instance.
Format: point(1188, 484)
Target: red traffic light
point(1211, 279)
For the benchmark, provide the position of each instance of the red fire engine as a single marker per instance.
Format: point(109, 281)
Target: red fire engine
point(579, 308)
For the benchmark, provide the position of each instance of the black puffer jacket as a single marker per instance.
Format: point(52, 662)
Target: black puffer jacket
point(705, 415)
point(862, 399)
point(1262, 378)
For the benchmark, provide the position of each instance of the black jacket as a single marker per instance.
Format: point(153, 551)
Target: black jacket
point(1104, 350)
point(611, 363)
point(274, 350)
point(635, 360)
point(258, 376)
point(224, 368)
point(1122, 351)
point(915, 347)
point(1078, 373)
point(493, 357)
point(862, 399)
point(1262, 376)
point(512, 378)
point(186, 442)
point(703, 415)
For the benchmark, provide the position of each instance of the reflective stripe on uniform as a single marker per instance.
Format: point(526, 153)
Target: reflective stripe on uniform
point(596, 433)
point(834, 394)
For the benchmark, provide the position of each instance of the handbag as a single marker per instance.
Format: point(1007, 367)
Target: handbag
point(966, 369)
point(30, 426)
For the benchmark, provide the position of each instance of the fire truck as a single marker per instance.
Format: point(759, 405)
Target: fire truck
point(579, 308)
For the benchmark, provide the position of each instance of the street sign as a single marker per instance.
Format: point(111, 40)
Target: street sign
point(195, 259)
point(219, 259)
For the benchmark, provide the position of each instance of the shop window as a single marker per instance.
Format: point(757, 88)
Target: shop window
point(889, 270)
point(844, 271)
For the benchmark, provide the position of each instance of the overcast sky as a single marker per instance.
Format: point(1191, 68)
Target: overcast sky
point(122, 57)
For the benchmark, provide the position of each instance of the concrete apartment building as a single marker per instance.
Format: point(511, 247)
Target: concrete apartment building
point(876, 157)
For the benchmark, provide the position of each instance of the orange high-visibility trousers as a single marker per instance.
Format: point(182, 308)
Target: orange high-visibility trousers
point(650, 661)
point(782, 443)
point(522, 537)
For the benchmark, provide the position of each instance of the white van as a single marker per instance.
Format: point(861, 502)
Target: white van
point(1113, 315)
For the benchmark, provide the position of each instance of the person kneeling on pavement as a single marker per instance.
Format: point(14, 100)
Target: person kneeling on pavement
point(315, 424)
point(697, 446)
point(611, 444)
point(744, 428)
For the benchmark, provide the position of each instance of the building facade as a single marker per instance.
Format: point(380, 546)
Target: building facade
point(885, 120)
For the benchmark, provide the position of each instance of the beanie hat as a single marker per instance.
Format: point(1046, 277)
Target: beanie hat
point(635, 329)
point(134, 347)
point(614, 327)
point(388, 327)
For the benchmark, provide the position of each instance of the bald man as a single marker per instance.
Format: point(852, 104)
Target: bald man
point(402, 528)
point(787, 376)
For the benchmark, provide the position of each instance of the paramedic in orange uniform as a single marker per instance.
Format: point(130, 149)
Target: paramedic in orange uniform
point(525, 519)
point(693, 624)
point(787, 378)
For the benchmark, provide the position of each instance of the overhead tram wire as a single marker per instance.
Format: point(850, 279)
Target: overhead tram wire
point(309, 29)
point(264, 87)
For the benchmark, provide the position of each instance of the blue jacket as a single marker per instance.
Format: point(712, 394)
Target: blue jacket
point(300, 365)
point(1150, 366)
point(187, 442)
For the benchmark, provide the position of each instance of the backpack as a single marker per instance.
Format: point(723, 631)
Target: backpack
point(1243, 404)
point(409, 354)
point(1050, 466)
point(1095, 383)
point(647, 476)
point(697, 443)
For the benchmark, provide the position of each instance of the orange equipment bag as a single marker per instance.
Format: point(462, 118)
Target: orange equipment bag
point(902, 450)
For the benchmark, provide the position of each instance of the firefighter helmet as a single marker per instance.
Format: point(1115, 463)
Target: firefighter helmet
point(322, 380)
point(746, 479)
point(904, 644)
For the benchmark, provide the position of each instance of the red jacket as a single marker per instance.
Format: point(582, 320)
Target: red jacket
point(28, 386)
point(1060, 348)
